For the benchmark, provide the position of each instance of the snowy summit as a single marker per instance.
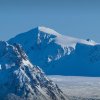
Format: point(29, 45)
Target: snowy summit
point(60, 54)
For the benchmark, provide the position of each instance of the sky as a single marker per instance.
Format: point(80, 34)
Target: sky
point(77, 18)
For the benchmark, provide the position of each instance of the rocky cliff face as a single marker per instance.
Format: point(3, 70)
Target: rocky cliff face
point(20, 80)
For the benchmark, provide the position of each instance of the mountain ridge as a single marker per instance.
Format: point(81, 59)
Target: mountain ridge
point(59, 53)
point(20, 80)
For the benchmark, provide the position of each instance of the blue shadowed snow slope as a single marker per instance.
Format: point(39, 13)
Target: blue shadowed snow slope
point(59, 54)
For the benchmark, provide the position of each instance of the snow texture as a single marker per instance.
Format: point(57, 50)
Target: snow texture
point(20, 80)
point(79, 88)
point(57, 54)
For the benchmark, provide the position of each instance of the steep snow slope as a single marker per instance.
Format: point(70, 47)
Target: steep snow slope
point(60, 54)
point(20, 80)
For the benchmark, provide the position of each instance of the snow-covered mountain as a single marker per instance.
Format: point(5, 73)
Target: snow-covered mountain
point(59, 54)
point(20, 80)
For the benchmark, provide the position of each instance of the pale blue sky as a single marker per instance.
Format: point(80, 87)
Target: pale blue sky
point(78, 18)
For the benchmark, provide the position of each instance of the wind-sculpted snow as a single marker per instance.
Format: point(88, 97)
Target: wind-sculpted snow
point(20, 80)
point(59, 54)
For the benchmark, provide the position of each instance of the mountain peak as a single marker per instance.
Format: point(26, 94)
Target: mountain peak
point(21, 80)
point(47, 30)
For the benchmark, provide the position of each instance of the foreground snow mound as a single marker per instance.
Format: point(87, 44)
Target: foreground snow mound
point(20, 80)
point(61, 55)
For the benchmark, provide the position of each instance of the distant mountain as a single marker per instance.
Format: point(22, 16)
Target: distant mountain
point(20, 80)
point(59, 54)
